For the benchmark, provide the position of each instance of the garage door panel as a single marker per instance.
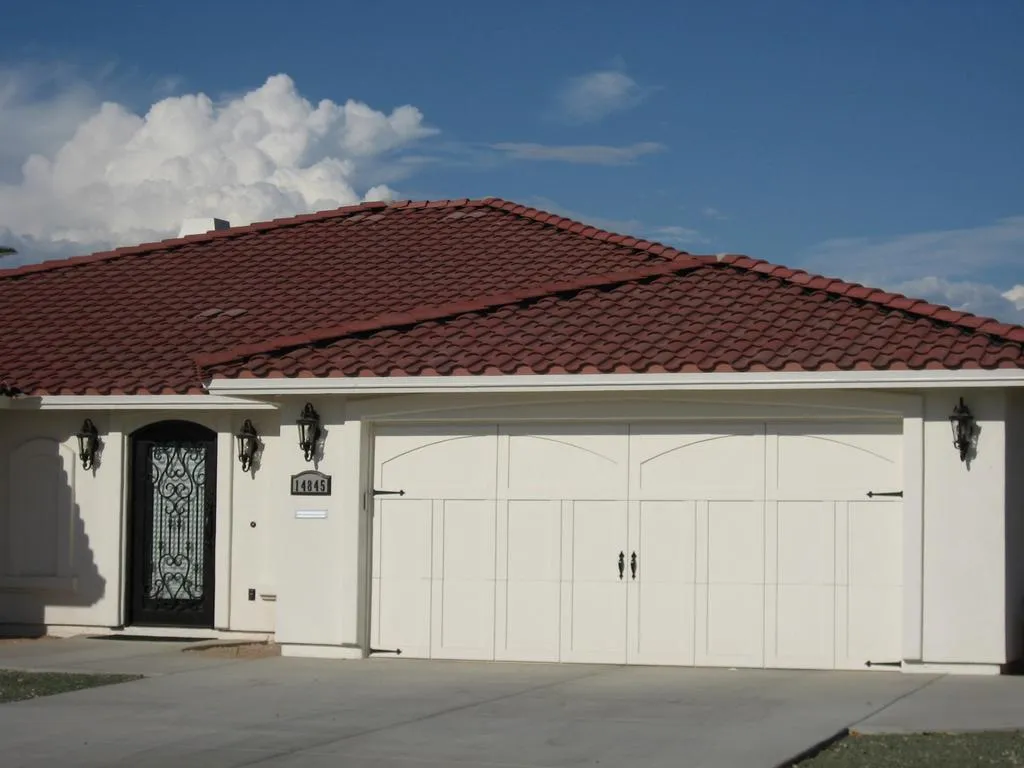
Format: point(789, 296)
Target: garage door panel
point(404, 539)
point(529, 601)
point(662, 598)
point(404, 616)
point(835, 461)
point(534, 540)
point(468, 537)
point(872, 618)
point(531, 629)
point(690, 462)
point(733, 622)
point(805, 543)
point(402, 575)
point(465, 582)
point(804, 627)
point(434, 464)
point(466, 621)
point(567, 462)
point(875, 543)
point(735, 543)
point(596, 624)
point(594, 616)
point(666, 623)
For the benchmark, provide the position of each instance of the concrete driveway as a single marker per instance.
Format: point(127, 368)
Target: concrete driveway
point(198, 711)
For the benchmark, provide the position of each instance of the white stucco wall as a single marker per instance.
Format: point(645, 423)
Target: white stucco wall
point(88, 589)
point(36, 571)
point(964, 571)
point(1015, 526)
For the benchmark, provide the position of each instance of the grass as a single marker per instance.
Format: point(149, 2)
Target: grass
point(18, 686)
point(920, 750)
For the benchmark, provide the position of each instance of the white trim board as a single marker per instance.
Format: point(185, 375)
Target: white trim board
point(617, 382)
point(140, 403)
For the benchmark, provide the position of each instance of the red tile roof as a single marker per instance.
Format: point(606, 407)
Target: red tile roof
point(460, 286)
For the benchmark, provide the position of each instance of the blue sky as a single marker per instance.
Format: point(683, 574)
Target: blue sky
point(874, 140)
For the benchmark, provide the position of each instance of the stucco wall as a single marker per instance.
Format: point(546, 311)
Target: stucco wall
point(47, 548)
point(64, 564)
point(964, 572)
point(1015, 526)
point(321, 584)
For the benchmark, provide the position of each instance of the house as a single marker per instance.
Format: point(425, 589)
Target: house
point(470, 429)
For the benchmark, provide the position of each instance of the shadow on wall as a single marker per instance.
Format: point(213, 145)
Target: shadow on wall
point(47, 563)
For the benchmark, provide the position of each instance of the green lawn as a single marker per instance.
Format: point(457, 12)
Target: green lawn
point(16, 686)
point(925, 750)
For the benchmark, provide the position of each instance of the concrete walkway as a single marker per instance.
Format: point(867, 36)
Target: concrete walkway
point(200, 711)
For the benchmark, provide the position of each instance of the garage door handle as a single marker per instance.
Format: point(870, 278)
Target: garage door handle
point(622, 565)
point(632, 564)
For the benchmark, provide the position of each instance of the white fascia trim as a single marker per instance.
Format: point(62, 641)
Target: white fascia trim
point(141, 403)
point(613, 382)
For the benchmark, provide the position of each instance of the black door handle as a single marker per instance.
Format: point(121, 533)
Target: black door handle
point(632, 564)
point(622, 564)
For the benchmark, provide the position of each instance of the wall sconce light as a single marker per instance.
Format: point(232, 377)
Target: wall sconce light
point(309, 431)
point(248, 444)
point(962, 423)
point(88, 444)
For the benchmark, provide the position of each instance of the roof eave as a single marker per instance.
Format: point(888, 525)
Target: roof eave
point(619, 382)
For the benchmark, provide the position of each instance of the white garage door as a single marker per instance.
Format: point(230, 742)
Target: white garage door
point(712, 544)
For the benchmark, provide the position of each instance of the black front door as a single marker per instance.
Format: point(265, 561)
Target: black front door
point(172, 526)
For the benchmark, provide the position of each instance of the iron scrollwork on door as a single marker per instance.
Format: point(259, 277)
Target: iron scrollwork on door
point(181, 527)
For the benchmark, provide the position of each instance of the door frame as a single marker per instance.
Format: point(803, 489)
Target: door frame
point(169, 429)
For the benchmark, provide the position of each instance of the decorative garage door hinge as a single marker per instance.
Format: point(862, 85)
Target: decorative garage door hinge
point(396, 651)
point(375, 492)
point(872, 494)
point(883, 663)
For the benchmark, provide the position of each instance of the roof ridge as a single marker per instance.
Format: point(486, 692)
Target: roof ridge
point(429, 313)
point(582, 228)
point(496, 203)
point(888, 299)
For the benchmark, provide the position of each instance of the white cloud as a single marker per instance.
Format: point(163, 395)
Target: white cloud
point(676, 235)
point(1016, 295)
point(31, 122)
point(713, 213)
point(123, 178)
point(592, 154)
point(594, 96)
point(977, 269)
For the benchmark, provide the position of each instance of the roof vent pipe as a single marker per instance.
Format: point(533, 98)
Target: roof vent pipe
point(202, 226)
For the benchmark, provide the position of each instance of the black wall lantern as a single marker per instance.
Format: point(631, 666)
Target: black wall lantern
point(248, 444)
point(962, 422)
point(309, 431)
point(88, 444)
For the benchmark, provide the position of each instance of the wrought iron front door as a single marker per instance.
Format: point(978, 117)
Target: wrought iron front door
point(171, 562)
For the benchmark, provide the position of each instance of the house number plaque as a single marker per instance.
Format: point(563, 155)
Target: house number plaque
point(311, 483)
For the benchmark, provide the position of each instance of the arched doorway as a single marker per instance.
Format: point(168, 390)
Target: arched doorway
point(172, 525)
